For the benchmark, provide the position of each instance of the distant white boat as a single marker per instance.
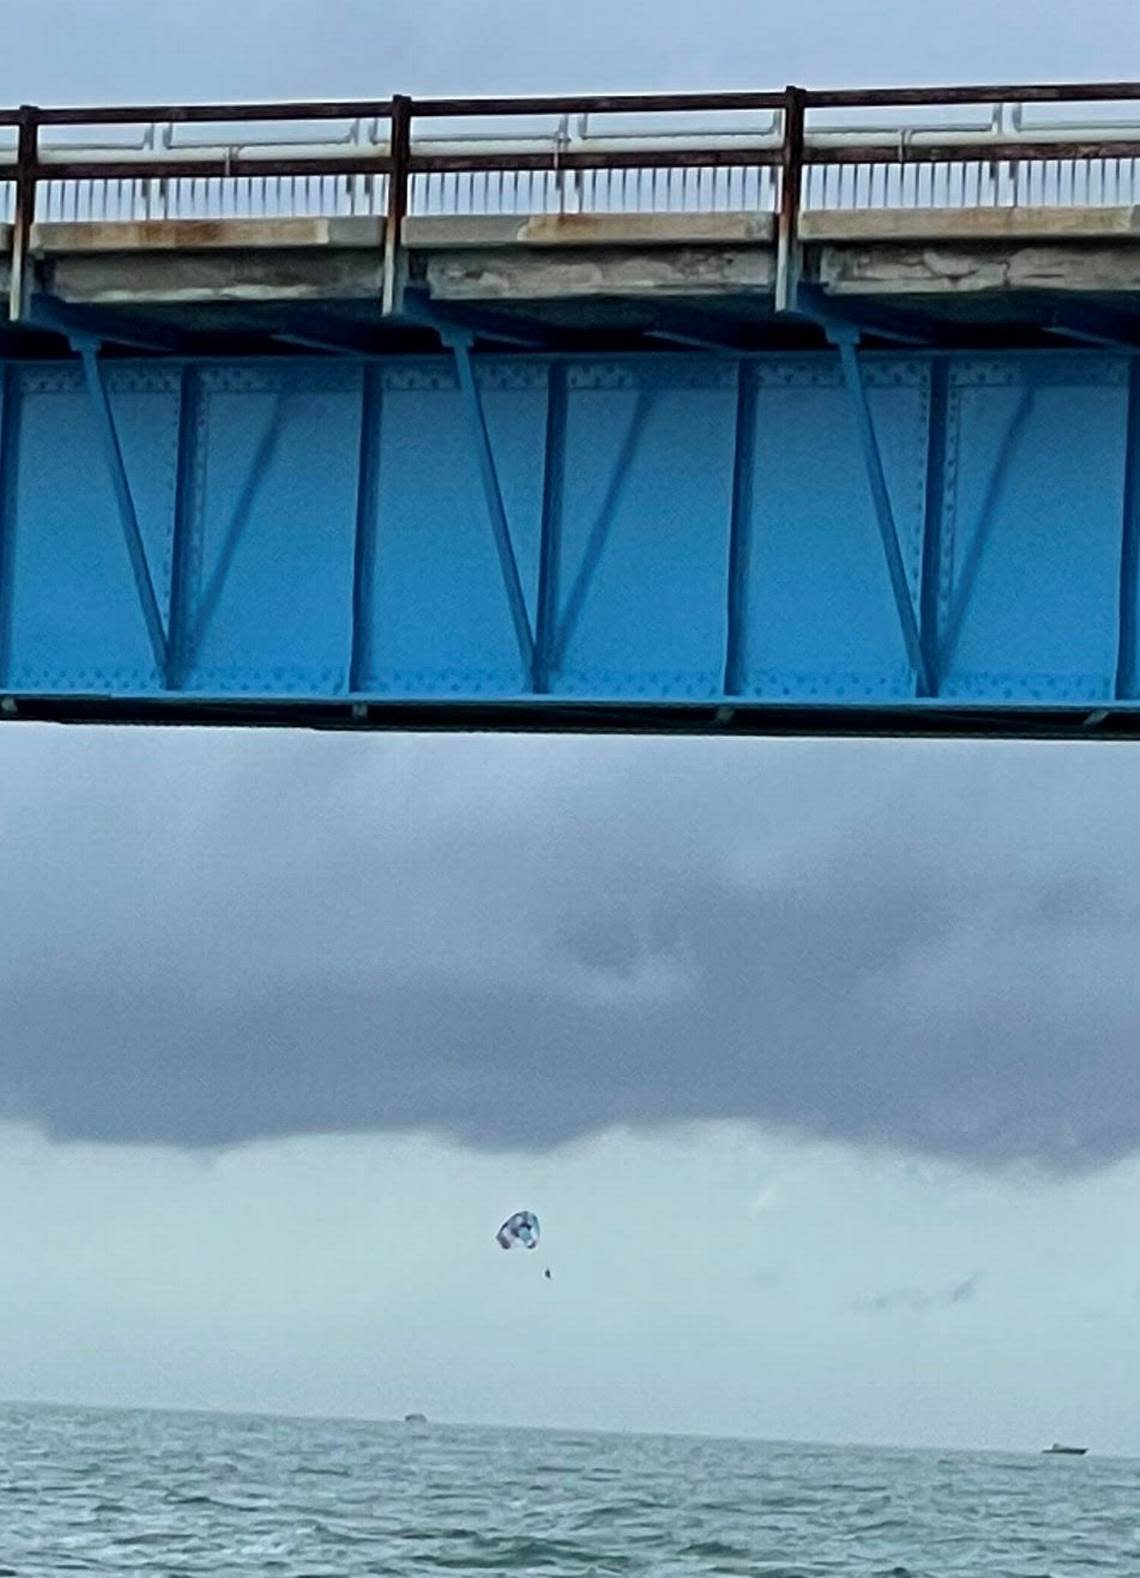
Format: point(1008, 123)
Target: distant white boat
point(415, 1419)
point(1057, 1450)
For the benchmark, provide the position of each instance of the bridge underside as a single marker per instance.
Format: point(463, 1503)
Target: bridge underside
point(577, 488)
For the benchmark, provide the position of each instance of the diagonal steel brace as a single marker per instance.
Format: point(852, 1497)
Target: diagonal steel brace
point(124, 499)
point(846, 340)
point(460, 346)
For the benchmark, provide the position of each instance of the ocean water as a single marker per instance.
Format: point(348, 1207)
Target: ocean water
point(174, 1495)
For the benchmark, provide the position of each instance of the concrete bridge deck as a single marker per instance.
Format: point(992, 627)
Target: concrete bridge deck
point(928, 257)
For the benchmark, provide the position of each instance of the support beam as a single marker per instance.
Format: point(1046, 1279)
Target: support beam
point(600, 531)
point(124, 499)
point(550, 545)
point(884, 514)
point(567, 715)
point(10, 404)
point(930, 591)
point(847, 314)
point(263, 457)
point(978, 541)
point(182, 535)
point(474, 323)
point(27, 157)
point(1091, 324)
point(788, 251)
point(740, 529)
point(399, 175)
point(702, 331)
point(493, 498)
point(332, 335)
point(364, 540)
point(1124, 687)
point(94, 324)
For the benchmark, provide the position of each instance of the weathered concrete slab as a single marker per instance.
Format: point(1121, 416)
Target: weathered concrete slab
point(537, 275)
point(957, 270)
point(918, 252)
point(193, 235)
point(459, 232)
point(426, 232)
point(966, 225)
point(124, 279)
point(453, 232)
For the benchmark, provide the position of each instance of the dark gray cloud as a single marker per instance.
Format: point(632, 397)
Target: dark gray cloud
point(917, 1301)
point(210, 938)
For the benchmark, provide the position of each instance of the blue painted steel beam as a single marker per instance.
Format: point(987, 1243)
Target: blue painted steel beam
point(979, 536)
point(367, 505)
point(260, 463)
point(740, 529)
point(546, 715)
point(934, 503)
point(845, 314)
point(124, 499)
point(1092, 324)
point(884, 514)
point(910, 542)
point(182, 527)
point(603, 524)
point(9, 448)
point(449, 320)
point(321, 331)
point(703, 331)
point(493, 497)
point(1124, 687)
point(104, 326)
point(550, 540)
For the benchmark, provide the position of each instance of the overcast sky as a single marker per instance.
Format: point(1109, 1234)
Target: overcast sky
point(148, 50)
point(819, 1061)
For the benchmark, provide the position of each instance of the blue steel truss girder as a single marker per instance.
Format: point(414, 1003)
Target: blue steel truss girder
point(670, 540)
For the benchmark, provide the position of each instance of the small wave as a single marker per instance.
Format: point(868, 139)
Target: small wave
point(717, 1550)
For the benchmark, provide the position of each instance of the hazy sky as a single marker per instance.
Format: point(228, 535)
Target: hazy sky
point(146, 50)
point(819, 1061)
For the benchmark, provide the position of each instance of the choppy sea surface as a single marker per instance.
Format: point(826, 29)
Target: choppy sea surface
point(175, 1495)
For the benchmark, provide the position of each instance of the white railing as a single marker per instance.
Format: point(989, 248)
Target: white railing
point(744, 153)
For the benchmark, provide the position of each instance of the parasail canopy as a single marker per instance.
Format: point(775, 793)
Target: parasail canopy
point(519, 1231)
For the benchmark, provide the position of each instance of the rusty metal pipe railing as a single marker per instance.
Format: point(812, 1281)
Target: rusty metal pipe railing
point(391, 159)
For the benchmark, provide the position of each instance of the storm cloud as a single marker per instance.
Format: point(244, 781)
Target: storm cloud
point(210, 938)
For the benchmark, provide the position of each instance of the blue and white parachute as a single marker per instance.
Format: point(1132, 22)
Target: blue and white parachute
point(520, 1231)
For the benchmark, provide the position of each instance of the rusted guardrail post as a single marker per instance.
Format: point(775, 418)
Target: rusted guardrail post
point(27, 159)
point(400, 148)
point(791, 189)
